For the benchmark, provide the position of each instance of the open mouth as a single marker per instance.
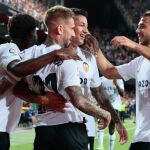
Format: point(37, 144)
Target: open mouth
point(83, 36)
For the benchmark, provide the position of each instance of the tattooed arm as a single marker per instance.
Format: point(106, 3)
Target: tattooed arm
point(103, 100)
point(84, 105)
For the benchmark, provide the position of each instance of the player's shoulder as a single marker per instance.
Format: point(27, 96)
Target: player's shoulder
point(102, 78)
point(52, 48)
point(8, 45)
point(9, 49)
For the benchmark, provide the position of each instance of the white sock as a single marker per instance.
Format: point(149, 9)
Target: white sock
point(112, 139)
point(100, 134)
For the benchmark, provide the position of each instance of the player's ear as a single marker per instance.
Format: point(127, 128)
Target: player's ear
point(60, 29)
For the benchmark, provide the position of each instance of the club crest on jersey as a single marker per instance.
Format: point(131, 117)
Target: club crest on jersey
point(58, 62)
point(85, 67)
point(12, 51)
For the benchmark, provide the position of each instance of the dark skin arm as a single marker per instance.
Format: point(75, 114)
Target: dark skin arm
point(22, 69)
point(103, 100)
point(4, 85)
point(50, 99)
point(84, 105)
point(120, 90)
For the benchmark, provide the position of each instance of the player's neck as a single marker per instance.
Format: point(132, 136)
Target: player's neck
point(50, 41)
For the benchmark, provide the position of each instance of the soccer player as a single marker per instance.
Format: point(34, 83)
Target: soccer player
point(63, 77)
point(60, 79)
point(138, 69)
point(22, 30)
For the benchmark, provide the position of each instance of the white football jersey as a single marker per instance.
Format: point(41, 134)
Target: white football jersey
point(8, 53)
point(139, 69)
point(60, 75)
point(112, 91)
point(10, 106)
point(33, 52)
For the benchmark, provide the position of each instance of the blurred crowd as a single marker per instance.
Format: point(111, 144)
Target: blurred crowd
point(32, 7)
point(120, 55)
point(132, 10)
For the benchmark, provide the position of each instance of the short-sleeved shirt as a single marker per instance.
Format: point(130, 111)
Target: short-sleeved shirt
point(8, 53)
point(60, 75)
point(139, 69)
point(10, 106)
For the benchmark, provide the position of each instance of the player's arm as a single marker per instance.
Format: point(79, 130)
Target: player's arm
point(103, 100)
point(136, 47)
point(84, 105)
point(120, 90)
point(22, 69)
point(106, 68)
point(49, 99)
point(4, 85)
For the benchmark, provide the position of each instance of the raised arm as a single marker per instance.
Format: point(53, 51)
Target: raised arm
point(106, 68)
point(103, 100)
point(84, 105)
point(136, 47)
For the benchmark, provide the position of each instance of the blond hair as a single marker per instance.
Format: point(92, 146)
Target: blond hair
point(57, 11)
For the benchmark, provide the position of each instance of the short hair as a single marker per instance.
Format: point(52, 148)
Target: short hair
point(146, 14)
point(57, 11)
point(78, 11)
point(20, 25)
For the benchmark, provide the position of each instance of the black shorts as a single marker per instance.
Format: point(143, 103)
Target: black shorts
point(4, 141)
point(140, 146)
point(69, 136)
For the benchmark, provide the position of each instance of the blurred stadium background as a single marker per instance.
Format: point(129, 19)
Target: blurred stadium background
point(107, 18)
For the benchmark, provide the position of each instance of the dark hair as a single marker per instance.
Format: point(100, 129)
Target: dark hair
point(78, 11)
point(147, 13)
point(20, 25)
point(57, 11)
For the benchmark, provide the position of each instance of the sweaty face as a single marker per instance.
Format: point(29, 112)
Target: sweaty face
point(81, 29)
point(143, 31)
point(68, 32)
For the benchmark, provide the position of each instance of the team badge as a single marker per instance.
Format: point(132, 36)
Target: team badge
point(58, 62)
point(85, 67)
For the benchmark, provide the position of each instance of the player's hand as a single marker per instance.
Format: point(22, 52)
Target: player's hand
point(4, 85)
point(102, 124)
point(122, 132)
point(67, 53)
point(118, 41)
point(115, 81)
point(91, 44)
point(105, 118)
point(54, 101)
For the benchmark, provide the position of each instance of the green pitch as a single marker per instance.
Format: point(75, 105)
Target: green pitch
point(23, 139)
